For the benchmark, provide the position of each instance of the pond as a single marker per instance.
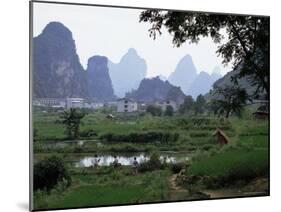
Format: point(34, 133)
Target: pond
point(126, 160)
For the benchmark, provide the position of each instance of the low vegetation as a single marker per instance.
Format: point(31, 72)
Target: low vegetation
point(210, 165)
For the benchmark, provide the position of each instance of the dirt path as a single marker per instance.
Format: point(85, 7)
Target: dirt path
point(173, 183)
point(177, 192)
point(256, 187)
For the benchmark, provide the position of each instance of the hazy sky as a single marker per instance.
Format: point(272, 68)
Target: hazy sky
point(112, 31)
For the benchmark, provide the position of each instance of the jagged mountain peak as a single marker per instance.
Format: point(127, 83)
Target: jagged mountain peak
point(57, 71)
point(127, 74)
point(184, 73)
point(99, 82)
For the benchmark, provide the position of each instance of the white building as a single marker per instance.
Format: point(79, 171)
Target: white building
point(74, 103)
point(126, 105)
point(167, 103)
point(49, 102)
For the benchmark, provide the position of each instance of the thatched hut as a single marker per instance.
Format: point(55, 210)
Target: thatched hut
point(221, 136)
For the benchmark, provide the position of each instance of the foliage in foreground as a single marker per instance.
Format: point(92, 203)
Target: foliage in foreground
point(49, 172)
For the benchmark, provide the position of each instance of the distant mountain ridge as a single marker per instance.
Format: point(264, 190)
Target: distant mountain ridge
point(57, 72)
point(128, 73)
point(155, 89)
point(187, 78)
point(203, 83)
point(184, 74)
point(99, 82)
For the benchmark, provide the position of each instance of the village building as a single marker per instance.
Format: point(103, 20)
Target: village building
point(74, 103)
point(49, 102)
point(126, 105)
point(93, 105)
point(142, 106)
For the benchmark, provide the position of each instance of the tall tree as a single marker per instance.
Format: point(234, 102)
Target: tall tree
point(247, 43)
point(200, 104)
point(231, 100)
point(187, 105)
point(169, 111)
point(72, 119)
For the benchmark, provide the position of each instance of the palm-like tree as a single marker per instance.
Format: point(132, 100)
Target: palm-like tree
point(72, 118)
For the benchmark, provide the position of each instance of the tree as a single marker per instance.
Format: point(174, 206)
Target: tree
point(247, 44)
point(169, 111)
point(154, 110)
point(187, 105)
point(231, 100)
point(72, 119)
point(48, 172)
point(199, 105)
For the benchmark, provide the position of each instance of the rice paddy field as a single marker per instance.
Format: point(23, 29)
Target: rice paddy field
point(238, 168)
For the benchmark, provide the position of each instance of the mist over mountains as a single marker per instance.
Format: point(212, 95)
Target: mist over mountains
point(190, 81)
point(58, 73)
point(127, 74)
point(184, 74)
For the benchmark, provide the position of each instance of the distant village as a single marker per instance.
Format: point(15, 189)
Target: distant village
point(122, 105)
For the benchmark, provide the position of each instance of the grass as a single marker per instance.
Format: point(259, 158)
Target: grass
point(107, 186)
point(229, 167)
point(95, 196)
point(244, 158)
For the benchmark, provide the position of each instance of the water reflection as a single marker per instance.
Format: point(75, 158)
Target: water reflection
point(106, 160)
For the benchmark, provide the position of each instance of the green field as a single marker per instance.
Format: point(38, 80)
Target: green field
point(235, 165)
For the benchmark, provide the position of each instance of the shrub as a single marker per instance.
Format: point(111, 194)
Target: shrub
point(154, 110)
point(207, 147)
point(153, 163)
point(141, 137)
point(177, 167)
point(125, 148)
point(199, 134)
point(49, 172)
point(88, 133)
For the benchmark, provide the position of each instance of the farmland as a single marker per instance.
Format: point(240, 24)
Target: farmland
point(199, 162)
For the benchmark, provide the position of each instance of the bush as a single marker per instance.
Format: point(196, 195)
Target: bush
point(154, 110)
point(199, 134)
point(153, 163)
point(125, 148)
point(141, 137)
point(177, 167)
point(88, 133)
point(49, 172)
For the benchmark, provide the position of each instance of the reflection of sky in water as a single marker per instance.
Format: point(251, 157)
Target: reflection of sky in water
point(106, 160)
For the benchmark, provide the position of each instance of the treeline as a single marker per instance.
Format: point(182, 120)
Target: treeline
point(189, 106)
point(146, 137)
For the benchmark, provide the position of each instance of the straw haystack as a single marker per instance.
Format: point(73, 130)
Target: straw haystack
point(221, 136)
